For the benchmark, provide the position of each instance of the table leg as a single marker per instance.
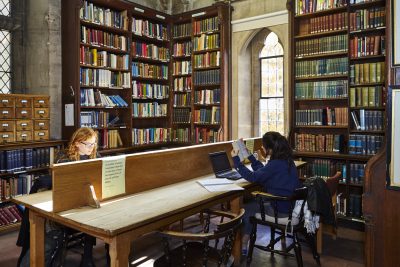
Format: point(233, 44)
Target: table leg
point(36, 240)
point(119, 251)
point(236, 204)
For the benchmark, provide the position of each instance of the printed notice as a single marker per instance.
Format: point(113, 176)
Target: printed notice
point(69, 114)
point(113, 180)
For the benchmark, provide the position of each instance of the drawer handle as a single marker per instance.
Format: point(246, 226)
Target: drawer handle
point(41, 134)
point(24, 135)
point(5, 125)
point(41, 111)
point(41, 101)
point(24, 112)
point(4, 101)
point(24, 101)
point(24, 124)
point(5, 136)
point(5, 111)
point(41, 123)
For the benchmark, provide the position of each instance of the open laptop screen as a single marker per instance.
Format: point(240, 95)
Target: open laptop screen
point(220, 162)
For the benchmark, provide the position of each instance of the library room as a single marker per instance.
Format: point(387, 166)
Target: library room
point(199, 133)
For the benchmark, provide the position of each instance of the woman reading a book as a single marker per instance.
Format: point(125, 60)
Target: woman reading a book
point(278, 176)
point(82, 146)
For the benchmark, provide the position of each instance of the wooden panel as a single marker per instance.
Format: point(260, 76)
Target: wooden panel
point(144, 171)
point(7, 113)
point(24, 125)
point(7, 100)
point(41, 124)
point(23, 101)
point(41, 101)
point(41, 135)
point(23, 113)
point(7, 126)
point(7, 137)
point(41, 113)
point(23, 136)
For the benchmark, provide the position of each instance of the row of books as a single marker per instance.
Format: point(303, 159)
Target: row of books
point(103, 39)
point(182, 49)
point(322, 67)
point(207, 60)
point(367, 19)
point(367, 46)
point(365, 144)
point(206, 41)
point(141, 49)
point(323, 168)
point(181, 135)
point(206, 77)
point(205, 135)
point(182, 84)
point(357, 173)
point(9, 214)
point(206, 25)
point(150, 136)
point(207, 115)
point(182, 30)
point(146, 110)
point(373, 72)
point(370, 96)
point(91, 98)
point(104, 78)
point(319, 142)
point(145, 70)
point(149, 91)
point(323, 45)
point(368, 120)
point(90, 56)
point(326, 116)
point(333, 22)
point(102, 119)
point(311, 6)
point(322, 89)
point(149, 29)
point(181, 115)
point(182, 100)
point(182, 67)
point(17, 160)
point(18, 185)
point(103, 16)
point(349, 207)
point(208, 96)
point(109, 139)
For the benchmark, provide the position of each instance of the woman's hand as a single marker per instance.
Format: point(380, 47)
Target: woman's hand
point(234, 153)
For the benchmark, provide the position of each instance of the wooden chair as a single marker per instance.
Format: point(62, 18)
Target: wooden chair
point(282, 226)
point(332, 184)
point(196, 250)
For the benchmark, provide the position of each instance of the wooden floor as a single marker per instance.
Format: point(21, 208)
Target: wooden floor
point(339, 252)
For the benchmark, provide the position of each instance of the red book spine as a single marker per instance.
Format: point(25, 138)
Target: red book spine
point(4, 218)
point(10, 215)
point(15, 212)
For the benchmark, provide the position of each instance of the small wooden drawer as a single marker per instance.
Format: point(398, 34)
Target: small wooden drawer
point(7, 126)
point(7, 137)
point(23, 113)
point(41, 113)
point(41, 135)
point(24, 136)
point(7, 113)
point(41, 125)
point(41, 101)
point(24, 125)
point(23, 102)
point(7, 101)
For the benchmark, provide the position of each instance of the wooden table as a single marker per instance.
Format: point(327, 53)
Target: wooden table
point(121, 220)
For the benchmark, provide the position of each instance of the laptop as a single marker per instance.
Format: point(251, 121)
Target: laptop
point(221, 166)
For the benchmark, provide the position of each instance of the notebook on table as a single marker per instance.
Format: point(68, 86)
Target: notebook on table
point(221, 166)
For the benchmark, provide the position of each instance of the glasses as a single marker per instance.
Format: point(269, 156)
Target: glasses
point(88, 145)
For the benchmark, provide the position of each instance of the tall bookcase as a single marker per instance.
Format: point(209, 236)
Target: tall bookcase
point(338, 91)
point(171, 86)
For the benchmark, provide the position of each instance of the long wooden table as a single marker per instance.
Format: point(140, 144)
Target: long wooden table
point(121, 220)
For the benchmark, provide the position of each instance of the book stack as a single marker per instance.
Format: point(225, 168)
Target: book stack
point(366, 73)
point(327, 116)
point(181, 135)
point(364, 144)
point(207, 116)
point(144, 70)
point(357, 173)
point(181, 115)
point(103, 16)
point(17, 160)
point(182, 100)
point(91, 98)
point(149, 91)
point(371, 96)
point(104, 78)
point(367, 19)
point(109, 139)
point(150, 136)
point(205, 135)
point(368, 120)
point(144, 50)
point(9, 214)
point(182, 30)
point(319, 143)
point(142, 27)
point(306, 6)
point(322, 89)
point(207, 96)
point(321, 67)
point(147, 110)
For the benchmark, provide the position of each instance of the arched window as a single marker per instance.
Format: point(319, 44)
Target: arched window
point(271, 112)
point(5, 47)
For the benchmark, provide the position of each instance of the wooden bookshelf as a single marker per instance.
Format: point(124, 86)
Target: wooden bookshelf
point(161, 61)
point(337, 69)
